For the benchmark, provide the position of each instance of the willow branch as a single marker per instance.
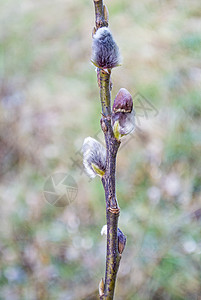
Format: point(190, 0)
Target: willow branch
point(112, 210)
point(114, 235)
point(101, 14)
point(105, 94)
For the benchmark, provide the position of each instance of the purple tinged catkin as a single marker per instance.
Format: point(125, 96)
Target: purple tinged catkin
point(105, 52)
point(123, 115)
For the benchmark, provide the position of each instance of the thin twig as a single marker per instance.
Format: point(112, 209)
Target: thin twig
point(112, 210)
point(105, 94)
point(113, 255)
point(100, 12)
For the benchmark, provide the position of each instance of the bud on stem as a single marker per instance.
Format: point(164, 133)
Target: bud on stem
point(94, 157)
point(105, 52)
point(123, 116)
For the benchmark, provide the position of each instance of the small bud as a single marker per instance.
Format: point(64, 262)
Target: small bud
point(94, 157)
point(104, 230)
point(101, 288)
point(93, 31)
point(105, 52)
point(123, 101)
point(121, 241)
point(103, 125)
point(123, 115)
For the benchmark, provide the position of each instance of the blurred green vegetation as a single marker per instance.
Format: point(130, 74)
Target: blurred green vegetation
point(49, 103)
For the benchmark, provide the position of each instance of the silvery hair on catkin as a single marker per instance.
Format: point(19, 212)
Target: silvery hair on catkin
point(94, 154)
point(105, 52)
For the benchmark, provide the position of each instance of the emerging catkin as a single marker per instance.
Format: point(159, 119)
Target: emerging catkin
point(94, 157)
point(123, 115)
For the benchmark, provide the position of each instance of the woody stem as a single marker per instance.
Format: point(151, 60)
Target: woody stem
point(108, 180)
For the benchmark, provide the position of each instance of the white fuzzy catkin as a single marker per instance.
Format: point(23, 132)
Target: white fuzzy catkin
point(104, 230)
point(93, 154)
point(105, 52)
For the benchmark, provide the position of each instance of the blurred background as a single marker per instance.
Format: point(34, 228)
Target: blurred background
point(50, 247)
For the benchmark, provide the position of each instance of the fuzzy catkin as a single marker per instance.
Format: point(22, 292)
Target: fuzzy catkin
point(93, 154)
point(105, 52)
point(123, 115)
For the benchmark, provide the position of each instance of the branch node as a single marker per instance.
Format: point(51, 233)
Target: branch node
point(114, 210)
point(103, 125)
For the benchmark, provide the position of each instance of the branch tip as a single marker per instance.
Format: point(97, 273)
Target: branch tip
point(106, 13)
